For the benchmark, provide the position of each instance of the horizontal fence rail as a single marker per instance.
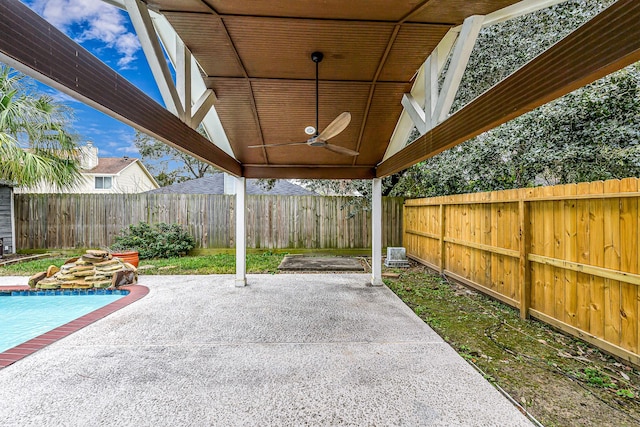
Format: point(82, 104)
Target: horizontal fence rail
point(568, 255)
point(66, 221)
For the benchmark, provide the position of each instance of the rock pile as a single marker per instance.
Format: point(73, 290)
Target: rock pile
point(94, 269)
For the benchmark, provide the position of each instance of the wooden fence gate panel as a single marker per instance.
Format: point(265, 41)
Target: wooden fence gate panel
point(568, 255)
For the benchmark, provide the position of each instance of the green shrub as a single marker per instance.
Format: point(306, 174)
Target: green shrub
point(155, 241)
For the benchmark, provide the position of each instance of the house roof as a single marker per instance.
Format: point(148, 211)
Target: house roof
point(215, 185)
point(111, 165)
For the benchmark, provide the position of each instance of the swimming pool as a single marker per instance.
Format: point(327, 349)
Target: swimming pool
point(25, 317)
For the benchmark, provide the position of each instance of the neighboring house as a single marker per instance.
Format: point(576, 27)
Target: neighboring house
point(104, 175)
point(221, 183)
point(7, 219)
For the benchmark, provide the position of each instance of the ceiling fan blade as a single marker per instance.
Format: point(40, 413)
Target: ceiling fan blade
point(336, 126)
point(277, 145)
point(341, 150)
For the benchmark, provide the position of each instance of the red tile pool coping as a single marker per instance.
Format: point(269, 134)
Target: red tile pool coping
point(29, 347)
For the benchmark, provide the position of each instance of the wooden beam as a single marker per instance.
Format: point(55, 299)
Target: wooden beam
point(524, 268)
point(606, 273)
point(183, 77)
point(211, 121)
point(441, 237)
point(141, 21)
point(585, 336)
point(415, 111)
point(308, 172)
point(461, 54)
point(33, 46)
point(202, 107)
point(608, 42)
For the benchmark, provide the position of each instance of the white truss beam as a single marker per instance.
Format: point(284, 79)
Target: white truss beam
point(183, 78)
point(461, 54)
point(431, 73)
point(425, 88)
point(416, 112)
point(143, 25)
point(420, 91)
point(203, 110)
point(202, 107)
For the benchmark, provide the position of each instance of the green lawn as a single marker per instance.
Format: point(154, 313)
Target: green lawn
point(203, 264)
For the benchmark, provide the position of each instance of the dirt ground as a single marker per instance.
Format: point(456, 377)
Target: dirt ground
point(559, 380)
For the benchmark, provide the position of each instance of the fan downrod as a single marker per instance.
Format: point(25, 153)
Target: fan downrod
point(317, 57)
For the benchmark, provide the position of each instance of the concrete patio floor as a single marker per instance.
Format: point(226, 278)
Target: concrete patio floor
point(318, 349)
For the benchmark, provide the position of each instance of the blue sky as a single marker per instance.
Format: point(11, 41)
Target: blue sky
point(106, 32)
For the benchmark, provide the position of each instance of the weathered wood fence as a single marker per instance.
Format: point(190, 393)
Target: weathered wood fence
point(64, 221)
point(567, 255)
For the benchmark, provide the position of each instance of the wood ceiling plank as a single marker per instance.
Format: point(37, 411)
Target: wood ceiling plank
point(204, 35)
point(234, 107)
point(368, 10)
point(383, 116)
point(455, 11)
point(608, 42)
point(286, 108)
point(412, 45)
point(178, 5)
point(352, 49)
point(53, 58)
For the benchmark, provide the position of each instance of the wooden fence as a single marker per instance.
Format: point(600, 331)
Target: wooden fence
point(567, 255)
point(59, 221)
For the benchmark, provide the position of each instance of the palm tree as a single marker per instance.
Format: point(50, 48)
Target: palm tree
point(35, 145)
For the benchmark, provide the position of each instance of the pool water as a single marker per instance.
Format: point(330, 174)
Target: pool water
point(25, 317)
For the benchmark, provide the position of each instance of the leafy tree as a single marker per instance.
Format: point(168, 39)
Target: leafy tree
point(35, 143)
point(167, 164)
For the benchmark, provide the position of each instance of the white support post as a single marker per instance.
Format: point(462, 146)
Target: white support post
point(143, 25)
point(461, 54)
point(241, 237)
point(376, 232)
point(183, 78)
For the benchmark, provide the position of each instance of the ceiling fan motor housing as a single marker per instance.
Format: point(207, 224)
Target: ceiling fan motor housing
point(317, 57)
point(314, 142)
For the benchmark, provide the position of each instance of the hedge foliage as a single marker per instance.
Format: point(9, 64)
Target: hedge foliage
point(155, 241)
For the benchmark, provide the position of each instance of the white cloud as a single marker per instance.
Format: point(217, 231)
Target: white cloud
point(91, 20)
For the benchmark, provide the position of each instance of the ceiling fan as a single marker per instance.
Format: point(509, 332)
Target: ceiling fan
point(319, 139)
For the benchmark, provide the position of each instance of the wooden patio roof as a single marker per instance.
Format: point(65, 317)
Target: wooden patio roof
point(255, 55)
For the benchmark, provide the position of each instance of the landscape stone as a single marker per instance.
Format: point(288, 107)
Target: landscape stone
point(33, 280)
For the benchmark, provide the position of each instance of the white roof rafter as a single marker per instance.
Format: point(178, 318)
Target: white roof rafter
point(422, 90)
point(202, 99)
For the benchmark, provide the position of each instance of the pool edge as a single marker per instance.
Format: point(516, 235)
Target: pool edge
point(27, 348)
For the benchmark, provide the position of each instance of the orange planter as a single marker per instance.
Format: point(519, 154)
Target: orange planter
point(130, 256)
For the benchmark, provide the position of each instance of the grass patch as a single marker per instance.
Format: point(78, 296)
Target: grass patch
point(562, 381)
point(211, 264)
point(266, 262)
point(28, 268)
